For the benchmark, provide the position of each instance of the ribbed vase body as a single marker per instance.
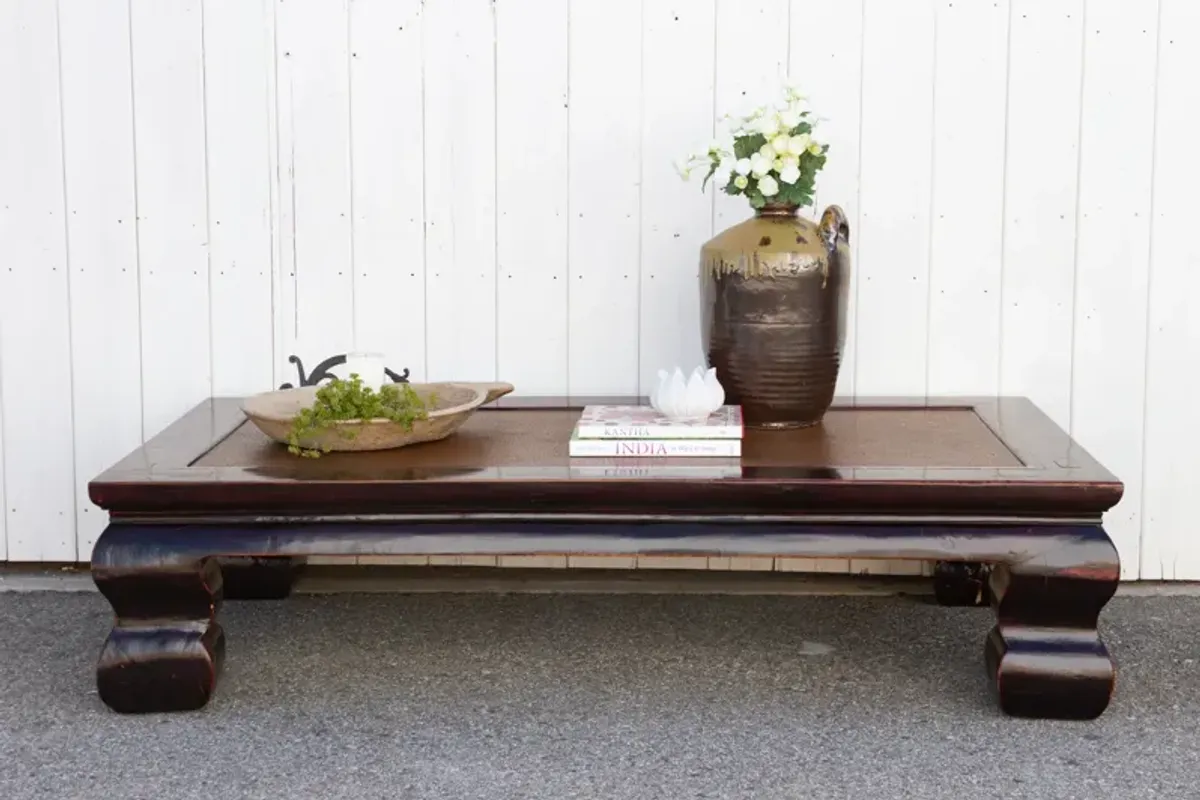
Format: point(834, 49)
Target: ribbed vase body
point(774, 298)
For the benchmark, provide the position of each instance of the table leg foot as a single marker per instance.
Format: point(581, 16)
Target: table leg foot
point(1044, 657)
point(960, 583)
point(260, 577)
point(168, 666)
point(166, 648)
point(1049, 674)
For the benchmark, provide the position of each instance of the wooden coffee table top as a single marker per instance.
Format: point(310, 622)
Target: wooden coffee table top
point(999, 458)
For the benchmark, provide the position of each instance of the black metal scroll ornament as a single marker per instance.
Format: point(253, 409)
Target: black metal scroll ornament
point(321, 371)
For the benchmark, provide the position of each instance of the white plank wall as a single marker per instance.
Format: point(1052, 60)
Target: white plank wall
point(239, 149)
point(677, 105)
point(193, 190)
point(825, 53)
point(532, 222)
point(387, 136)
point(967, 210)
point(171, 181)
point(1041, 193)
point(35, 318)
point(604, 146)
point(1112, 258)
point(102, 239)
point(899, 43)
point(1171, 456)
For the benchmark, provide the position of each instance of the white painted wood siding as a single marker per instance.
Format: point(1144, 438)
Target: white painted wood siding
point(192, 190)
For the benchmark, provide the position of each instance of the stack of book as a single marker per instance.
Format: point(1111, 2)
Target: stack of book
point(641, 432)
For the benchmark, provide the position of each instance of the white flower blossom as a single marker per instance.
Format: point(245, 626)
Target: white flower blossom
point(777, 162)
point(789, 174)
point(685, 166)
point(768, 125)
point(744, 125)
point(721, 148)
point(792, 91)
point(724, 171)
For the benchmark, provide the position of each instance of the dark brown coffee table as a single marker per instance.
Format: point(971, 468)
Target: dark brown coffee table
point(992, 490)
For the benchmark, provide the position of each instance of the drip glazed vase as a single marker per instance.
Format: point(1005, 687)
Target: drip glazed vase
point(774, 291)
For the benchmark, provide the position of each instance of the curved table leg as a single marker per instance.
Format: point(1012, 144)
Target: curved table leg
point(260, 577)
point(166, 648)
point(1044, 656)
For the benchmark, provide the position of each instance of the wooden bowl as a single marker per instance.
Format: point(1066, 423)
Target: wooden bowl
point(273, 413)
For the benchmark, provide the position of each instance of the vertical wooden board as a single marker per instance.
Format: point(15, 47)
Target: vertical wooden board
point(460, 189)
point(891, 315)
point(825, 49)
point(530, 562)
point(168, 118)
point(387, 138)
point(532, 194)
point(1112, 262)
point(885, 567)
point(238, 60)
point(602, 562)
point(1041, 176)
point(677, 94)
point(746, 77)
point(313, 96)
point(98, 155)
point(3, 498)
point(35, 321)
point(1170, 550)
point(968, 197)
point(283, 305)
point(671, 562)
point(604, 200)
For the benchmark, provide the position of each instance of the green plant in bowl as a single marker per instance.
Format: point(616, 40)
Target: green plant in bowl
point(350, 400)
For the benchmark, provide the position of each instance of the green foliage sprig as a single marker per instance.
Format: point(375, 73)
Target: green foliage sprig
point(341, 400)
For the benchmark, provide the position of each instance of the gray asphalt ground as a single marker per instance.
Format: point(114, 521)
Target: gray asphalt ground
point(461, 696)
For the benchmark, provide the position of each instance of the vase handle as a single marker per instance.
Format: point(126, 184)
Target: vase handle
point(834, 228)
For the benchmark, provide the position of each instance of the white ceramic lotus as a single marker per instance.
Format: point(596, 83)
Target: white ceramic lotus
point(693, 399)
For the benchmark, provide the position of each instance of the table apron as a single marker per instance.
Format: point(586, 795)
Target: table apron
point(183, 543)
point(500, 519)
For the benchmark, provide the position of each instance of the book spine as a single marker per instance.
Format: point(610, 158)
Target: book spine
point(648, 473)
point(655, 448)
point(612, 433)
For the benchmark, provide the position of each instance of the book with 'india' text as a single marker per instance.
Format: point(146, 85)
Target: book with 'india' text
point(642, 432)
point(643, 422)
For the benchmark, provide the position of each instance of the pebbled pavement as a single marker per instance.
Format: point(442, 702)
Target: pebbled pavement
point(363, 696)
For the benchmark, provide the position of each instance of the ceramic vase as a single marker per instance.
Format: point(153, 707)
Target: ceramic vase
point(774, 293)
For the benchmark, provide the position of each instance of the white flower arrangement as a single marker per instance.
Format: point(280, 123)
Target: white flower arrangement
point(769, 156)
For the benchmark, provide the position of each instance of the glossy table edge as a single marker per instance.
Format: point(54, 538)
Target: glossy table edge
point(1054, 465)
point(1033, 437)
